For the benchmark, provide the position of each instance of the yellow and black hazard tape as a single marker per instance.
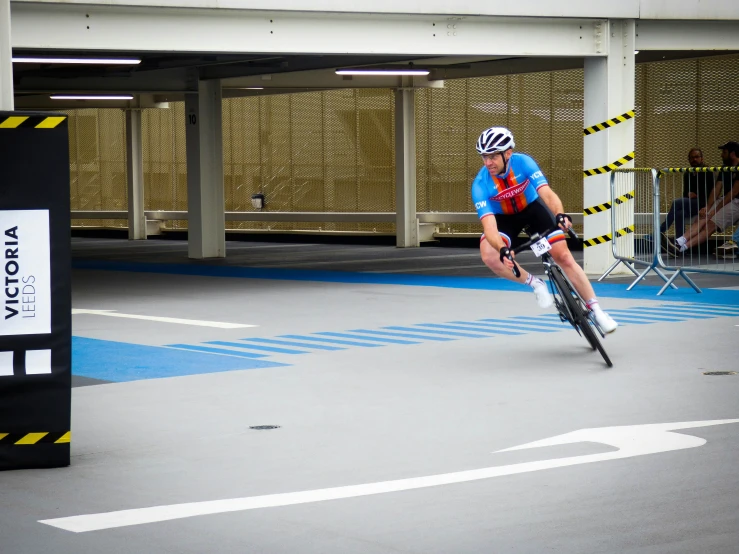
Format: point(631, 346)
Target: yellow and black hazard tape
point(35, 121)
point(605, 238)
point(26, 439)
point(610, 123)
point(697, 169)
point(607, 206)
point(610, 167)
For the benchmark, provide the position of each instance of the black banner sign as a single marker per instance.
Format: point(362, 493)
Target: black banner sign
point(35, 291)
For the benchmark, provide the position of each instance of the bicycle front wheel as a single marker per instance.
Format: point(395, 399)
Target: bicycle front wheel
point(577, 311)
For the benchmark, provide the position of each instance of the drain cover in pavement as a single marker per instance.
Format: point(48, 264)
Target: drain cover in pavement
point(264, 427)
point(719, 373)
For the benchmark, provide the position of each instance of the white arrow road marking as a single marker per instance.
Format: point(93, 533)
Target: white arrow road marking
point(113, 313)
point(632, 440)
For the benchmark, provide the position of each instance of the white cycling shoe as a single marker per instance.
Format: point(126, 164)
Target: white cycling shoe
point(605, 322)
point(543, 296)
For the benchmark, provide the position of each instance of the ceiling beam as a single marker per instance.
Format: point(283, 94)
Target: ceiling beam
point(623, 9)
point(123, 28)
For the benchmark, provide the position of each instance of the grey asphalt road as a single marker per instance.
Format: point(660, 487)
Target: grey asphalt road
point(441, 403)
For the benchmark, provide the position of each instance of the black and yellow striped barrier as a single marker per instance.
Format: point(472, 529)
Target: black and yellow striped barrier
point(696, 169)
point(607, 206)
point(26, 439)
point(610, 123)
point(609, 237)
point(35, 121)
point(610, 167)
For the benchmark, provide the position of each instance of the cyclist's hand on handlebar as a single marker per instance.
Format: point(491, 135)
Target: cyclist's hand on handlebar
point(506, 257)
point(564, 221)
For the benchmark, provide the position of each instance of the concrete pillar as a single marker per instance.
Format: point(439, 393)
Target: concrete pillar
point(205, 197)
point(6, 63)
point(135, 176)
point(609, 92)
point(406, 222)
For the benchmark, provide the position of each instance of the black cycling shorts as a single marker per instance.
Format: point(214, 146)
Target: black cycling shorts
point(536, 216)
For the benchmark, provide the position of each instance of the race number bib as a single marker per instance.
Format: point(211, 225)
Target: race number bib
point(541, 246)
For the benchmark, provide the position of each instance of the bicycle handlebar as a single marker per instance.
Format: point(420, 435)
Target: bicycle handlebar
point(533, 238)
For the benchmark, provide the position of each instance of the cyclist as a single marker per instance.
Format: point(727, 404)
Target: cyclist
point(509, 193)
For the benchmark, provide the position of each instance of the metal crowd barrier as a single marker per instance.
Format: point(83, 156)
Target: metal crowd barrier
point(706, 256)
point(641, 200)
point(633, 207)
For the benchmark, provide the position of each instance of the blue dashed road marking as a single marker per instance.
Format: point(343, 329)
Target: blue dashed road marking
point(210, 350)
point(293, 343)
point(547, 319)
point(113, 361)
point(374, 339)
point(470, 328)
point(122, 361)
point(436, 331)
point(257, 347)
point(402, 335)
point(332, 341)
point(644, 317)
point(509, 325)
point(661, 313)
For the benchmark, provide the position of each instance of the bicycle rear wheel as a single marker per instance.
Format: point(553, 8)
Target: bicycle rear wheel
point(578, 311)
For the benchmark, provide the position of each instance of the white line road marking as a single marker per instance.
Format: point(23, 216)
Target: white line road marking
point(632, 440)
point(200, 323)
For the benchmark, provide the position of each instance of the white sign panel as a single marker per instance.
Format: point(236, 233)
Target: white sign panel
point(25, 272)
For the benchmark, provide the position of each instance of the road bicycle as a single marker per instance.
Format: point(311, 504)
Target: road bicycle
point(570, 305)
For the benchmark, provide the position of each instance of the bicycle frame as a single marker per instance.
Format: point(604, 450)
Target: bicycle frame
point(548, 261)
point(570, 305)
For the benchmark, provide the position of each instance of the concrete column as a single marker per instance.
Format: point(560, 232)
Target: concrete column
point(6, 63)
point(609, 92)
point(205, 197)
point(406, 222)
point(135, 176)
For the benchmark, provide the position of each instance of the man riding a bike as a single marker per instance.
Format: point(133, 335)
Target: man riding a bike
point(509, 193)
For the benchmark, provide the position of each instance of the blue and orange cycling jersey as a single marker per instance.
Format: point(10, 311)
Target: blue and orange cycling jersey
point(511, 192)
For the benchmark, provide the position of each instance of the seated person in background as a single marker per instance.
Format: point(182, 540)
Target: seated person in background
point(723, 202)
point(696, 186)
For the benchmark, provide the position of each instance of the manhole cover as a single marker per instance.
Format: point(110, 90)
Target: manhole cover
point(264, 427)
point(719, 373)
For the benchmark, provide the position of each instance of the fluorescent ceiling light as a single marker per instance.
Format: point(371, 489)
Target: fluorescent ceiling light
point(377, 71)
point(90, 61)
point(91, 97)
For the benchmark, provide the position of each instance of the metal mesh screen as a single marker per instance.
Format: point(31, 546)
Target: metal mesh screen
point(334, 151)
point(311, 152)
point(165, 160)
point(544, 111)
point(683, 104)
point(97, 164)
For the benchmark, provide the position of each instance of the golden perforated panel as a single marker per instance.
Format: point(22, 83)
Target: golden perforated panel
point(97, 163)
point(165, 160)
point(311, 152)
point(544, 111)
point(683, 104)
point(334, 150)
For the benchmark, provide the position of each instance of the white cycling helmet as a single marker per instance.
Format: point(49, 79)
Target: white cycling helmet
point(495, 139)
